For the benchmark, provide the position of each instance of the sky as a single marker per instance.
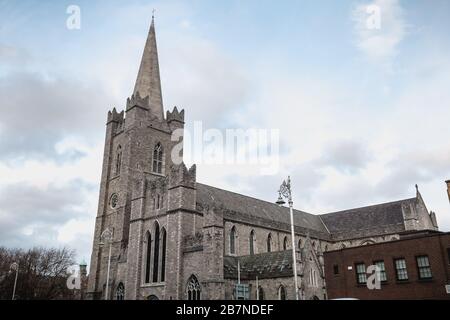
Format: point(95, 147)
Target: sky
point(363, 113)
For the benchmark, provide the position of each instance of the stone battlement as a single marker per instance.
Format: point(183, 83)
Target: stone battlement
point(175, 115)
point(114, 116)
point(137, 101)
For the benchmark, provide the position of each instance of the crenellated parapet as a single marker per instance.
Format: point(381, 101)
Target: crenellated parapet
point(175, 115)
point(137, 101)
point(181, 176)
point(114, 116)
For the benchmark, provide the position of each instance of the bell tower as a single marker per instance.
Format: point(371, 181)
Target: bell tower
point(136, 164)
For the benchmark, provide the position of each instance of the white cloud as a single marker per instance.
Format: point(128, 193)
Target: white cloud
point(387, 149)
point(381, 44)
point(407, 144)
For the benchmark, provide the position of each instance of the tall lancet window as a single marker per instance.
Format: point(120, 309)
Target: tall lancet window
point(158, 159)
point(269, 243)
point(285, 243)
point(118, 160)
point(163, 254)
point(252, 242)
point(148, 256)
point(156, 253)
point(281, 293)
point(233, 240)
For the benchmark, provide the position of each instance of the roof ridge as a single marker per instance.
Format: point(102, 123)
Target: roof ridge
point(369, 206)
point(254, 198)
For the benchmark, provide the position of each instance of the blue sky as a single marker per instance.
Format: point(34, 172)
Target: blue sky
point(363, 114)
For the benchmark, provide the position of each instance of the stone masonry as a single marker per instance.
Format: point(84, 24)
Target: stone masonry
point(175, 238)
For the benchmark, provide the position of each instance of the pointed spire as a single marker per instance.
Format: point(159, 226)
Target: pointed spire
point(148, 82)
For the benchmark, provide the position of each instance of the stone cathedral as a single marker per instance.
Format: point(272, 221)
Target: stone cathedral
point(175, 238)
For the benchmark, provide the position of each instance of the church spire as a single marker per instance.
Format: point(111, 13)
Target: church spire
point(148, 82)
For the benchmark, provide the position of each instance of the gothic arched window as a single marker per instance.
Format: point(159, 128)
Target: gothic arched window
point(120, 292)
point(285, 243)
point(163, 254)
point(233, 240)
point(313, 278)
point(281, 293)
point(156, 253)
point(193, 289)
point(158, 202)
point(269, 243)
point(299, 245)
point(118, 159)
point(148, 256)
point(260, 293)
point(158, 159)
point(252, 242)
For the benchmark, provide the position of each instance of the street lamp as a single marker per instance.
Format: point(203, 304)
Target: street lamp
point(14, 267)
point(285, 192)
point(107, 237)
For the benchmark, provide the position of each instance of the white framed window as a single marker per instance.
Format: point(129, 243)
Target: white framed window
point(423, 264)
point(361, 275)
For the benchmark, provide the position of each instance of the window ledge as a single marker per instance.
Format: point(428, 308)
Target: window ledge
point(153, 285)
point(155, 174)
point(426, 280)
point(402, 281)
point(362, 285)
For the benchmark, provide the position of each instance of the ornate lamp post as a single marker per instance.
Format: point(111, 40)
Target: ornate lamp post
point(107, 237)
point(286, 193)
point(14, 267)
point(448, 188)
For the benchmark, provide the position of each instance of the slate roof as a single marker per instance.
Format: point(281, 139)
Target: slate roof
point(243, 208)
point(371, 220)
point(368, 221)
point(264, 266)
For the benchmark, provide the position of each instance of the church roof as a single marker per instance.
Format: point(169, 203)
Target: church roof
point(238, 207)
point(264, 266)
point(368, 221)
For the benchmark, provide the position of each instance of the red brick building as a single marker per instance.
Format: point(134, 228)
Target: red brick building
point(415, 267)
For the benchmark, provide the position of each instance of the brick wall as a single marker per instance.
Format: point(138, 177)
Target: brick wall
point(344, 284)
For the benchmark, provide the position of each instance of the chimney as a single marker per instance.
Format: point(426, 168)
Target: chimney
point(448, 189)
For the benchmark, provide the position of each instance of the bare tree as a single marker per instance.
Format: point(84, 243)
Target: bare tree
point(42, 273)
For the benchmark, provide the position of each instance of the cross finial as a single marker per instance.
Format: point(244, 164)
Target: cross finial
point(153, 14)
